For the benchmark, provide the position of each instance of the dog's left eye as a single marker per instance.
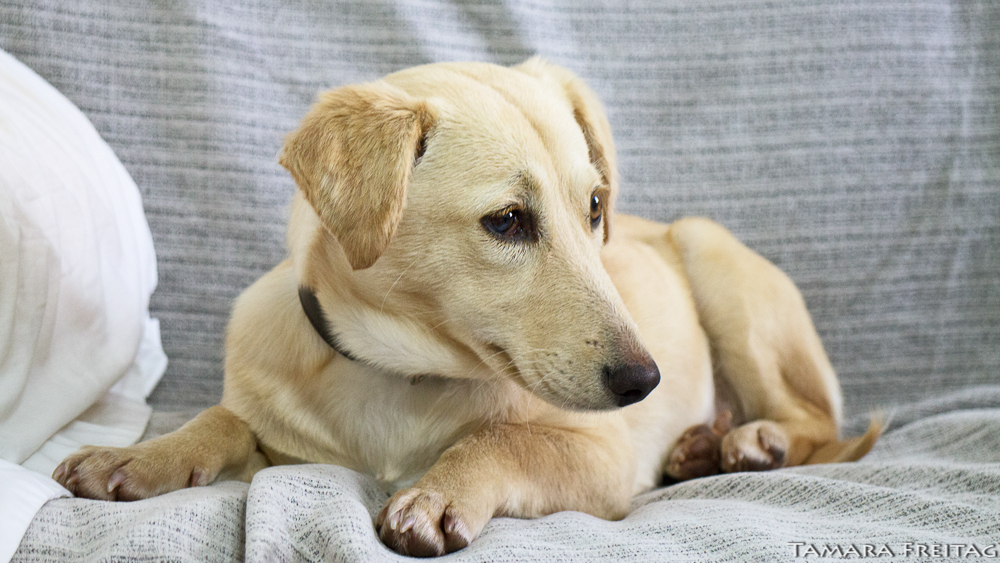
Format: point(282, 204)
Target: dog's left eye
point(512, 224)
point(596, 211)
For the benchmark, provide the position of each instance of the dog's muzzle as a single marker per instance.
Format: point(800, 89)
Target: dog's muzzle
point(631, 382)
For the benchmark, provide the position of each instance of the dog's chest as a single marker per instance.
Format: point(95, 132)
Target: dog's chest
point(393, 428)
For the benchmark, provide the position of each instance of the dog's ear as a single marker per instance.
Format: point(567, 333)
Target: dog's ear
point(352, 157)
point(589, 114)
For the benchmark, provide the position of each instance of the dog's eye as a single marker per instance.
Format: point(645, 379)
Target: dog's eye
point(596, 211)
point(511, 224)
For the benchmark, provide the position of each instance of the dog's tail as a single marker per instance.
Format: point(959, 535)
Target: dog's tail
point(851, 449)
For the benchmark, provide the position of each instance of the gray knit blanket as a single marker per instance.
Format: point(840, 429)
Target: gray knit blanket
point(930, 491)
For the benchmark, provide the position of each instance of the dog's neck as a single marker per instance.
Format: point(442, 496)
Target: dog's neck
point(314, 312)
point(396, 344)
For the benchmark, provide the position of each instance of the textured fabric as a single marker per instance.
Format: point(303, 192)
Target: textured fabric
point(855, 143)
point(933, 481)
point(23, 493)
point(197, 525)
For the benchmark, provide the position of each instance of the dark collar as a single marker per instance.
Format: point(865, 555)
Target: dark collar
point(314, 312)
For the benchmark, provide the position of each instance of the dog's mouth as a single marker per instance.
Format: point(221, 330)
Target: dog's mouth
point(504, 363)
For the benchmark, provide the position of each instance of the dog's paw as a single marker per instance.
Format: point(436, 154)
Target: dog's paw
point(757, 446)
point(698, 452)
point(132, 473)
point(424, 523)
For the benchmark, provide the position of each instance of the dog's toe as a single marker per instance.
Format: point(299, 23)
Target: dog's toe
point(422, 523)
point(456, 531)
point(757, 446)
point(410, 523)
point(87, 473)
point(131, 473)
point(697, 452)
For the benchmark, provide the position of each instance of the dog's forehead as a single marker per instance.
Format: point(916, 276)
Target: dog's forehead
point(495, 122)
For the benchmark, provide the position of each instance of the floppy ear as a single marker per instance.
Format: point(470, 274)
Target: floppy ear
point(590, 116)
point(352, 157)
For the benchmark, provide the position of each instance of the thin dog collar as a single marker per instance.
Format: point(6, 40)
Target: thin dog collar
point(314, 312)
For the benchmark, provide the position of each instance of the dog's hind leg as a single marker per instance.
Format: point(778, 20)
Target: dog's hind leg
point(766, 351)
point(214, 445)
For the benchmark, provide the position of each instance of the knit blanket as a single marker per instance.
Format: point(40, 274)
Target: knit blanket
point(929, 491)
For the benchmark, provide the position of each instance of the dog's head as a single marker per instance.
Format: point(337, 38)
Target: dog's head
point(469, 203)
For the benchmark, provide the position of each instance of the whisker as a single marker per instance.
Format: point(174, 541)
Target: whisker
point(382, 306)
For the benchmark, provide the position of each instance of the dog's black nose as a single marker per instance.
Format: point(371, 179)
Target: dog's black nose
point(631, 382)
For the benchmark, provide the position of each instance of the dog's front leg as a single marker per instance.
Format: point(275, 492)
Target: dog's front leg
point(216, 444)
point(518, 470)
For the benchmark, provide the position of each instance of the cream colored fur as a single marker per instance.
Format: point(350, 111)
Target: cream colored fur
point(481, 387)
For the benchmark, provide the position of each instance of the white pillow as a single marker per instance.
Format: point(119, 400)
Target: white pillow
point(79, 353)
point(77, 268)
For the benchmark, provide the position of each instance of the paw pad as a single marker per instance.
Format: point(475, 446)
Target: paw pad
point(697, 452)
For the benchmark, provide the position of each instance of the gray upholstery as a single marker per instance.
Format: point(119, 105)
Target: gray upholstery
point(854, 143)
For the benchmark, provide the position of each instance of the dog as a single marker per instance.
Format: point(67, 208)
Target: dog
point(463, 316)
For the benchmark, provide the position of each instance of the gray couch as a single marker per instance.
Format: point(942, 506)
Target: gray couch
point(854, 143)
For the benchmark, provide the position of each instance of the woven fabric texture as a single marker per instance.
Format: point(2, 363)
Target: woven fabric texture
point(930, 482)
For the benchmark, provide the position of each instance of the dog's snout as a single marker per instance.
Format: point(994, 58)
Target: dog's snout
point(632, 381)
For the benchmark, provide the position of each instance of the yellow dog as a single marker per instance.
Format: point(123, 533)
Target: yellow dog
point(463, 316)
